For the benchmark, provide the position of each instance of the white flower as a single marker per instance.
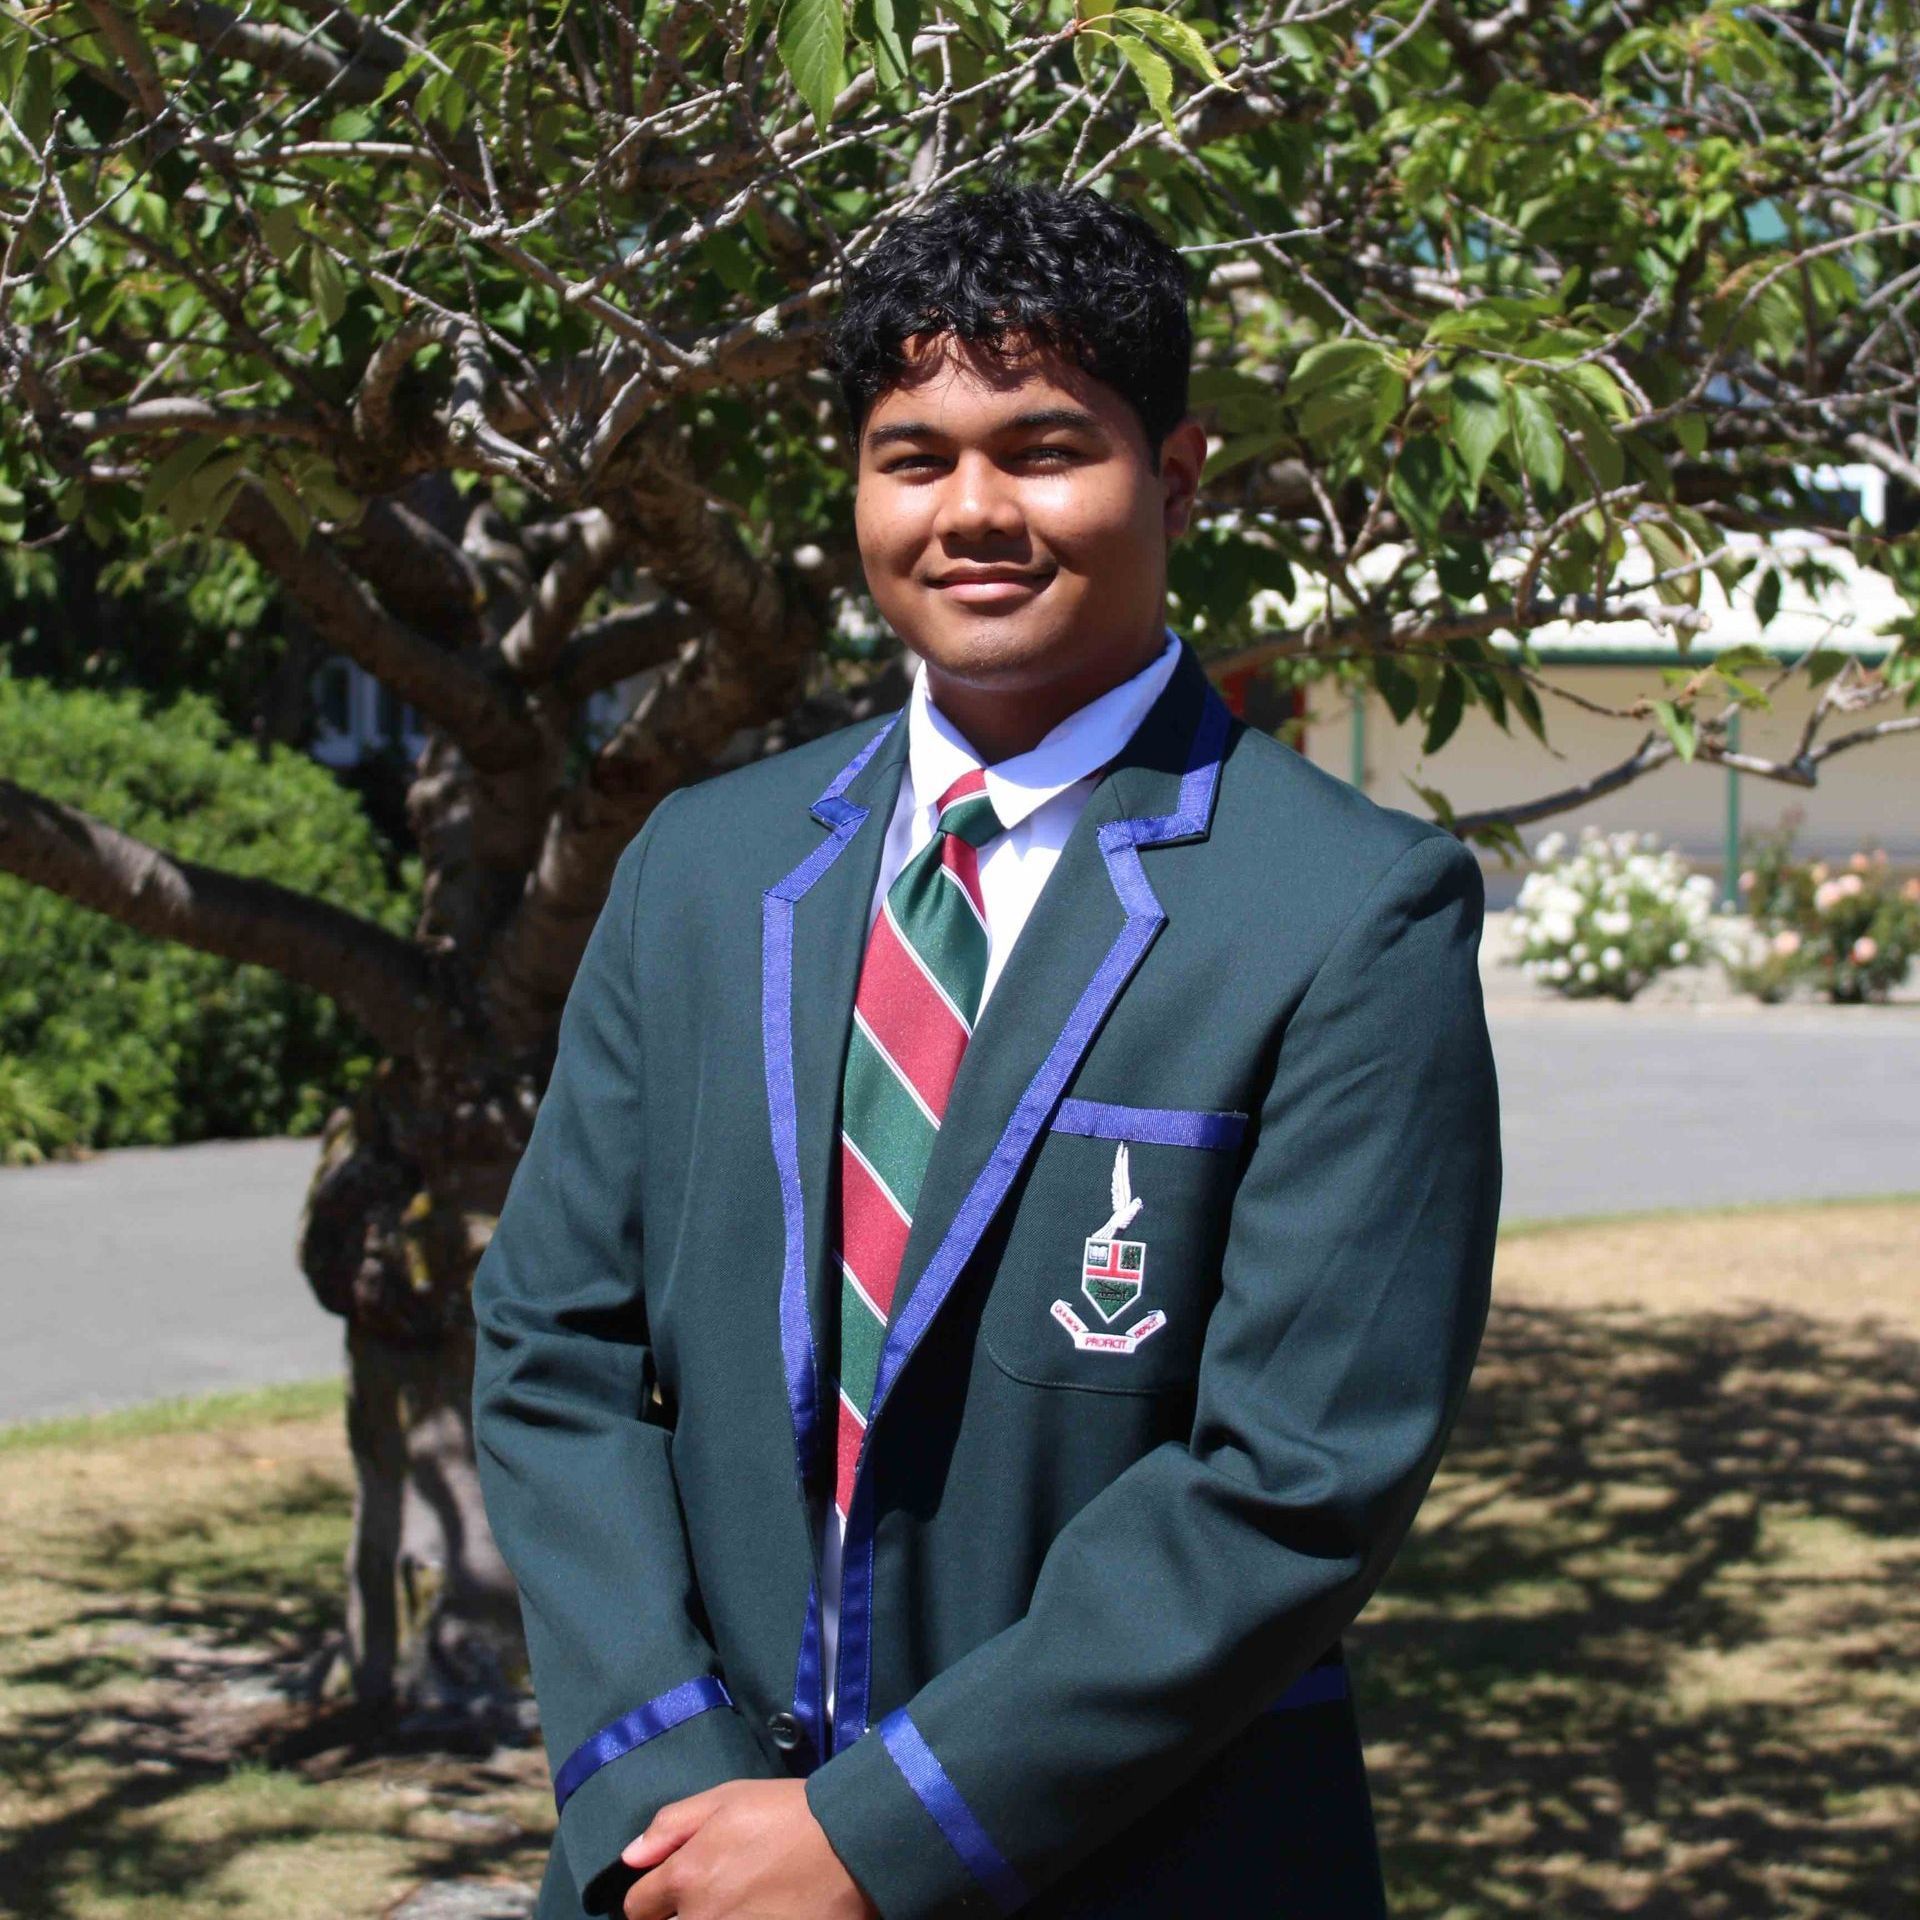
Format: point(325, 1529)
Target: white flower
point(1610, 958)
point(1827, 895)
point(1559, 969)
point(1551, 847)
point(1786, 943)
point(1864, 949)
point(1556, 929)
point(1578, 951)
point(1588, 971)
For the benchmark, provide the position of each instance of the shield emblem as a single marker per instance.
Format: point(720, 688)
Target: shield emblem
point(1112, 1273)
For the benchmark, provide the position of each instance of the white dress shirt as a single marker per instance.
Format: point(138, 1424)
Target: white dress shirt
point(1038, 795)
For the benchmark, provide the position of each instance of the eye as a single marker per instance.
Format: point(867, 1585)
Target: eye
point(1066, 453)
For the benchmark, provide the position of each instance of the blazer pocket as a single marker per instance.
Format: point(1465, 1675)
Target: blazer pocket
point(1111, 1262)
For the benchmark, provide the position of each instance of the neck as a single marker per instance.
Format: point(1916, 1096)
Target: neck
point(998, 723)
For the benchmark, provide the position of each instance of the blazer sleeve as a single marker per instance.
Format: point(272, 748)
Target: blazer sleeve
point(573, 1456)
point(1198, 1585)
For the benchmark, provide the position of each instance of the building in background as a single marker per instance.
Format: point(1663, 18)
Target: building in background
point(1867, 797)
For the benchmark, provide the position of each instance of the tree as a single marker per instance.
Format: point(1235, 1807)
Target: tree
point(489, 339)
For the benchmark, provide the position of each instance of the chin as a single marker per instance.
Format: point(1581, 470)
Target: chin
point(986, 651)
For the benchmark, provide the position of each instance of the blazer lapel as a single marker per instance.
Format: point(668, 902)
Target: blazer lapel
point(1088, 931)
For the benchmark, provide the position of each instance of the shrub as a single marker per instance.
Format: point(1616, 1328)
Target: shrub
point(128, 1040)
point(1608, 917)
point(1851, 935)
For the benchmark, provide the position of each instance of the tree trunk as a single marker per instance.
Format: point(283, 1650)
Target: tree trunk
point(396, 1218)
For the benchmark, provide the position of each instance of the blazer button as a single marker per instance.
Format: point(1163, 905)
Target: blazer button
point(785, 1730)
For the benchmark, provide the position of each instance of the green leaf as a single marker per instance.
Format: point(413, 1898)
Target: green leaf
point(888, 27)
point(287, 504)
point(1536, 438)
point(168, 476)
point(812, 38)
point(1176, 36)
point(1679, 726)
point(33, 97)
point(1438, 801)
point(1154, 74)
point(1242, 448)
point(1448, 705)
point(1340, 385)
point(1398, 688)
point(1422, 486)
point(1476, 418)
point(1823, 665)
point(328, 285)
point(1670, 548)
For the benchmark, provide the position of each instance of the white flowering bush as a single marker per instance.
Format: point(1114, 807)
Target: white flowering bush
point(1607, 916)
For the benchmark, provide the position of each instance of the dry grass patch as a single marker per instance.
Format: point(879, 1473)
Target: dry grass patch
point(167, 1590)
point(1654, 1648)
point(1655, 1645)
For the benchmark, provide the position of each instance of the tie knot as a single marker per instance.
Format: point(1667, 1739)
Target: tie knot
point(967, 812)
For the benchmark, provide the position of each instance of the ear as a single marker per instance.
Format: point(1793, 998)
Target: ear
point(1183, 455)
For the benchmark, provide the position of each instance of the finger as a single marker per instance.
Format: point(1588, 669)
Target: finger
point(673, 1826)
point(651, 1897)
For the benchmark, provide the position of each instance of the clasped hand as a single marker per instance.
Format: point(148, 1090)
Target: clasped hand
point(745, 1850)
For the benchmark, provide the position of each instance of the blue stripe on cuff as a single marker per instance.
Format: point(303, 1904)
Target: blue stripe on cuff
point(1314, 1688)
point(634, 1729)
point(951, 1814)
point(1170, 1126)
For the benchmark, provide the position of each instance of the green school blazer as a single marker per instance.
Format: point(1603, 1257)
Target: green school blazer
point(1121, 1490)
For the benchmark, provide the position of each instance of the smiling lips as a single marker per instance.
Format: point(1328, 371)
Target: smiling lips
point(992, 586)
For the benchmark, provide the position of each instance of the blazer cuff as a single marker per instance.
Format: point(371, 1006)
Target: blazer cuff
point(906, 1833)
point(680, 1743)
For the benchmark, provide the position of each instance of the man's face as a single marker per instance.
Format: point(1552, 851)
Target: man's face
point(1036, 472)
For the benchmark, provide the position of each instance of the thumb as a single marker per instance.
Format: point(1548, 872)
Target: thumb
point(672, 1827)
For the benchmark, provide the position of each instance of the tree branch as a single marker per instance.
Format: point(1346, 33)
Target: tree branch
point(382, 979)
point(484, 719)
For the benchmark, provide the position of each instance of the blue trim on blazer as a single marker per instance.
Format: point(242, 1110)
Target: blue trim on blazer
point(796, 1329)
point(1120, 842)
point(951, 1814)
point(635, 1729)
point(1315, 1688)
point(1170, 1126)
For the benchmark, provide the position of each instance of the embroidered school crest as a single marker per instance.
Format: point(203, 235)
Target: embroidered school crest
point(1112, 1273)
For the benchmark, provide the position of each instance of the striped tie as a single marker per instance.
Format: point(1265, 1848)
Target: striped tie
point(913, 1012)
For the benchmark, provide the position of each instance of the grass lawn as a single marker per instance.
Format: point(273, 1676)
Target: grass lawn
point(1653, 1649)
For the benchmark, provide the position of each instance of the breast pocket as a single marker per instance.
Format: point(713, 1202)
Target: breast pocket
point(1111, 1261)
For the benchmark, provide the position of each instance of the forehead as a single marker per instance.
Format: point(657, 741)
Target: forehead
point(955, 386)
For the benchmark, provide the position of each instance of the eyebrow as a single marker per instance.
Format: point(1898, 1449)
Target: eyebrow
point(1037, 417)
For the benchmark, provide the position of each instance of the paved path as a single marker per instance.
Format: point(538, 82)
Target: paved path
point(154, 1271)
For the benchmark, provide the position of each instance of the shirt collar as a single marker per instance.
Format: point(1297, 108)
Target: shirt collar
point(938, 754)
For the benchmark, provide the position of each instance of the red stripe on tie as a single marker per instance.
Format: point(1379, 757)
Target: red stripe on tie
point(962, 859)
point(873, 1237)
point(910, 1017)
point(974, 780)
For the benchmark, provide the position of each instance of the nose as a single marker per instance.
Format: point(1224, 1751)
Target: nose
point(977, 500)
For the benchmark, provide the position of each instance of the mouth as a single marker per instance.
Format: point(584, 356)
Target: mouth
point(992, 586)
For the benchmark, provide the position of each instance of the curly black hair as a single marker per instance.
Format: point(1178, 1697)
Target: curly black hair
point(1059, 265)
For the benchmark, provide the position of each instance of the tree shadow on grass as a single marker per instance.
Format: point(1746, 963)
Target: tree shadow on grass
point(198, 1643)
point(1653, 1646)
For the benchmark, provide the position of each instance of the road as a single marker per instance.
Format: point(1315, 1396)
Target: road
point(155, 1271)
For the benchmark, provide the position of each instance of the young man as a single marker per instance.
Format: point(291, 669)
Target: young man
point(1011, 1221)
